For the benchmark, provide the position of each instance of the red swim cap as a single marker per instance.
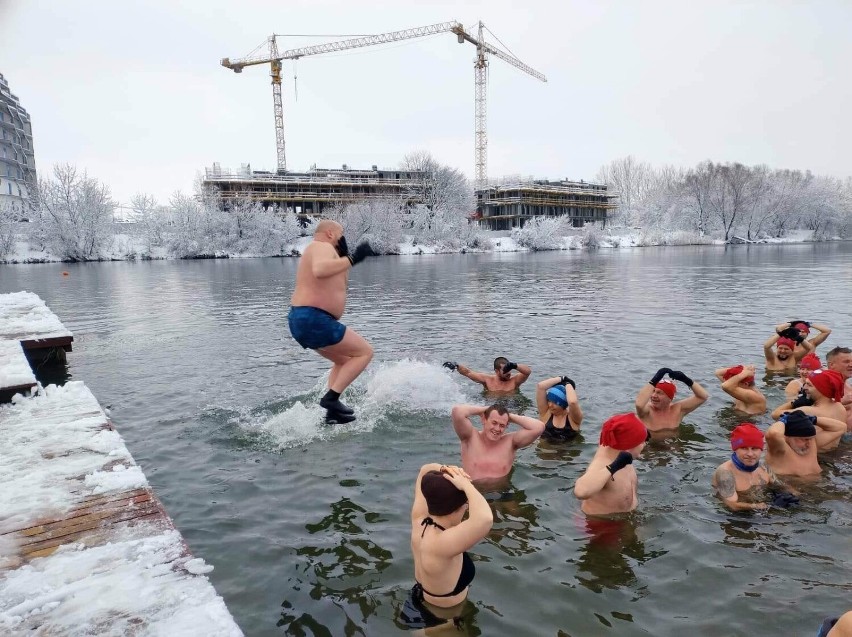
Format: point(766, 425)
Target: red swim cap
point(828, 383)
point(746, 435)
point(623, 432)
point(667, 388)
point(787, 342)
point(810, 361)
point(733, 371)
point(802, 328)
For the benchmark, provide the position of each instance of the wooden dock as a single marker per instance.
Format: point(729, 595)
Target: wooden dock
point(84, 542)
point(25, 318)
point(16, 376)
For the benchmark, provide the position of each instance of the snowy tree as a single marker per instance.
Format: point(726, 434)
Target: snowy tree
point(73, 215)
point(631, 180)
point(541, 233)
point(442, 189)
point(151, 220)
point(378, 220)
point(9, 220)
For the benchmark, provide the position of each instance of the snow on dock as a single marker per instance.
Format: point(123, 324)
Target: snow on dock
point(26, 318)
point(85, 546)
point(15, 373)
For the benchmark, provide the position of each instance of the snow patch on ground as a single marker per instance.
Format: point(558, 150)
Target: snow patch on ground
point(139, 584)
point(14, 367)
point(24, 316)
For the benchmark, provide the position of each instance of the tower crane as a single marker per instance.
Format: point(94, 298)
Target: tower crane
point(274, 59)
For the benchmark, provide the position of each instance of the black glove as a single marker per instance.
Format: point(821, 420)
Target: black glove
point(362, 251)
point(792, 332)
point(659, 375)
point(784, 499)
point(686, 380)
point(802, 401)
point(341, 247)
point(451, 366)
point(564, 380)
point(623, 459)
point(508, 367)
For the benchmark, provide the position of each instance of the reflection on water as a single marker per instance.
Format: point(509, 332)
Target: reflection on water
point(308, 526)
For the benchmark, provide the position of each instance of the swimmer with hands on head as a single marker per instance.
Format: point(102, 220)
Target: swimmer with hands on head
point(490, 452)
point(786, 354)
point(441, 536)
point(738, 382)
point(502, 380)
point(609, 485)
point(654, 402)
point(792, 442)
point(558, 408)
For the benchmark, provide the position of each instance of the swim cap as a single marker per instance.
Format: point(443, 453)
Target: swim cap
point(828, 383)
point(442, 496)
point(788, 342)
point(802, 327)
point(733, 371)
point(746, 435)
point(798, 425)
point(557, 396)
point(623, 432)
point(810, 361)
point(667, 388)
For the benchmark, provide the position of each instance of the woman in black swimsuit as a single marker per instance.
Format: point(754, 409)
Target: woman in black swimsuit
point(558, 408)
point(440, 536)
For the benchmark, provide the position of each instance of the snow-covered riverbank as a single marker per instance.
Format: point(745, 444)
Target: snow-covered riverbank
point(127, 247)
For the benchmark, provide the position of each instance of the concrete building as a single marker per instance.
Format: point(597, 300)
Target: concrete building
point(17, 161)
point(512, 202)
point(309, 194)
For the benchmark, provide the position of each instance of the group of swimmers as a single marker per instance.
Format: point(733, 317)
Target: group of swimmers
point(450, 515)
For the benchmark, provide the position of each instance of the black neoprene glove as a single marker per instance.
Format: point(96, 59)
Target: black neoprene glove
point(792, 332)
point(686, 380)
point(623, 459)
point(659, 375)
point(341, 247)
point(508, 367)
point(451, 366)
point(564, 380)
point(802, 401)
point(784, 499)
point(362, 251)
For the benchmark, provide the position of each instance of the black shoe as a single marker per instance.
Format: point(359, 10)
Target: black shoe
point(337, 418)
point(335, 406)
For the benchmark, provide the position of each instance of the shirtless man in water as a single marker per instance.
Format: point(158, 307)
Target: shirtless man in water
point(738, 383)
point(840, 360)
point(792, 442)
point(609, 485)
point(502, 380)
point(741, 479)
point(654, 402)
point(490, 452)
point(786, 355)
point(317, 304)
point(823, 395)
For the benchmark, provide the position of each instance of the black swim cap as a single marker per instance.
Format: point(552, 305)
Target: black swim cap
point(799, 425)
point(442, 496)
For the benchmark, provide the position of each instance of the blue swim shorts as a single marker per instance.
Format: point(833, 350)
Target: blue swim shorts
point(314, 328)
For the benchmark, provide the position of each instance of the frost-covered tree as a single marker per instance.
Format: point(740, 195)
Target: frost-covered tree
point(378, 220)
point(73, 215)
point(9, 219)
point(151, 220)
point(442, 189)
point(541, 233)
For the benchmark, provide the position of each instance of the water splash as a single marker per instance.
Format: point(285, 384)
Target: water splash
point(386, 392)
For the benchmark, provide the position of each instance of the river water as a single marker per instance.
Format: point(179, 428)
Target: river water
point(308, 525)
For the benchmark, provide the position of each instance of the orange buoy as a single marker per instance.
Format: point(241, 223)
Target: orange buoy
point(64, 273)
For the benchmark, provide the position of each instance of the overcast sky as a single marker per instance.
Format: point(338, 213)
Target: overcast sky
point(133, 92)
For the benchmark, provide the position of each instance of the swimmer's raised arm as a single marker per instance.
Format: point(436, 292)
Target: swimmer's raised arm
point(420, 509)
point(819, 338)
point(597, 476)
point(642, 398)
point(478, 377)
point(775, 439)
point(829, 431)
point(461, 419)
point(524, 372)
point(720, 373)
point(699, 394)
point(768, 352)
point(807, 348)
point(531, 429)
point(541, 391)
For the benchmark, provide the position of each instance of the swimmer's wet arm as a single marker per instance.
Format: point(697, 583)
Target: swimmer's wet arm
point(464, 370)
point(726, 487)
point(807, 348)
point(592, 482)
point(788, 406)
point(642, 399)
point(524, 372)
point(768, 352)
point(575, 412)
point(531, 429)
point(460, 415)
point(720, 374)
point(828, 430)
point(698, 398)
point(775, 439)
point(819, 338)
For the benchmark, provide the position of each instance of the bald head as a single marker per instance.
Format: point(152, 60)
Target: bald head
point(328, 231)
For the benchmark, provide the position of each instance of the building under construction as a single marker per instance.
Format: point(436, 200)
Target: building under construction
point(512, 203)
point(309, 194)
point(499, 206)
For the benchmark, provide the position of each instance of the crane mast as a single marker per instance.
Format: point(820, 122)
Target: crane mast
point(483, 49)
